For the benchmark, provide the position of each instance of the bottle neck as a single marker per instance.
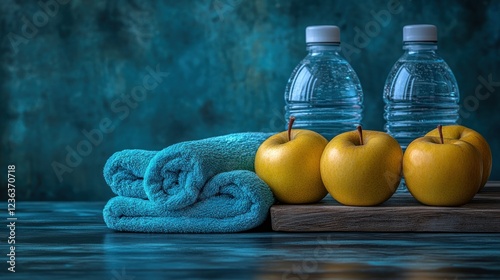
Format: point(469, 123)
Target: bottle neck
point(420, 46)
point(322, 48)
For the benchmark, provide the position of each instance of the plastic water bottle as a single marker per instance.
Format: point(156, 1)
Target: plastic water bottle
point(324, 93)
point(421, 91)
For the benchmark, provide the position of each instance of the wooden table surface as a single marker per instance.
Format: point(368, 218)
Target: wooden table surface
point(401, 213)
point(64, 240)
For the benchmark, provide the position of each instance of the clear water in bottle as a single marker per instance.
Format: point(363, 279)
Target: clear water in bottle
point(324, 93)
point(421, 91)
point(420, 95)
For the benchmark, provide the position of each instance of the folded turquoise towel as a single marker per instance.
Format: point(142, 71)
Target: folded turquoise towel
point(229, 202)
point(124, 172)
point(176, 175)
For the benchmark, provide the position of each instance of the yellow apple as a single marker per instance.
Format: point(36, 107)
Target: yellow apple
point(442, 171)
point(289, 164)
point(362, 168)
point(475, 139)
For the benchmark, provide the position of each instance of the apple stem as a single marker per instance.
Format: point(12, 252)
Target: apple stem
point(290, 123)
point(360, 132)
point(440, 129)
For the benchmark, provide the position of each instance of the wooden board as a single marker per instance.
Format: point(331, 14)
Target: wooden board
point(401, 213)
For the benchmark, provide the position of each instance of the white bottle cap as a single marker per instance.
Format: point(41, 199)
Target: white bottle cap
point(420, 33)
point(323, 34)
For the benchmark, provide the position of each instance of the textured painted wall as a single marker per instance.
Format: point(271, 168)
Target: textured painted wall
point(94, 77)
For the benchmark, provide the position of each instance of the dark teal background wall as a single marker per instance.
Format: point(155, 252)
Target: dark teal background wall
point(82, 79)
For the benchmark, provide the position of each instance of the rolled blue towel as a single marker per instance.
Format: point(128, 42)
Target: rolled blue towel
point(176, 175)
point(229, 202)
point(124, 172)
